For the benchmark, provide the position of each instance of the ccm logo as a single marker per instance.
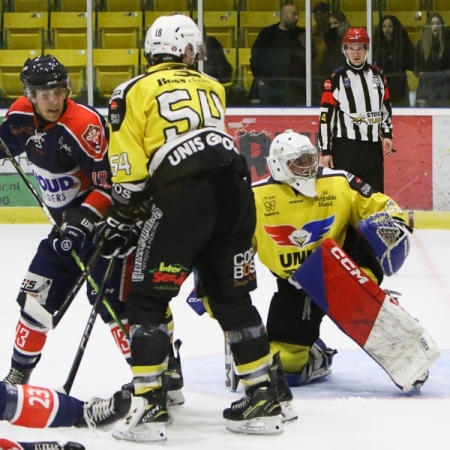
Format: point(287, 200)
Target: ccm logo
point(354, 270)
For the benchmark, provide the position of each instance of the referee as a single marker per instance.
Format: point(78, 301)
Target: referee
point(356, 115)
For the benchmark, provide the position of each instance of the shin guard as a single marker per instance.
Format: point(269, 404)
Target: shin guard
point(363, 311)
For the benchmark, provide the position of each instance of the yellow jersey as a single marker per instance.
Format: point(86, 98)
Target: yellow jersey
point(290, 226)
point(152, 110)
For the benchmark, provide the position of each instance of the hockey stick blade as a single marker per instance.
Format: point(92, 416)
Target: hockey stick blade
point(33, 308)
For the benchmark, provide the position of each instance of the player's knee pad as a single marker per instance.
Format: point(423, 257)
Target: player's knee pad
point(293, 317)
point(293, 357)
point(234, 313)
point(149, 344)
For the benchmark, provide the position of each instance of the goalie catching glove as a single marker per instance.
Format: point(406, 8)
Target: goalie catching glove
point(77, 227)
point(120, 229)
point(389, 239)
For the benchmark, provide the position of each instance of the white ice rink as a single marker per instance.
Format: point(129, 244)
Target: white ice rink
point(357, 407)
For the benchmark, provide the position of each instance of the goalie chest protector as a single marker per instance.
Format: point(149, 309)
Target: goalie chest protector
point(363, 311)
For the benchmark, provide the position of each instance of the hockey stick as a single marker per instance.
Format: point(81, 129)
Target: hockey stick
point(88, 329)
point(43, 206)
point(34, 309)
point(41, 311)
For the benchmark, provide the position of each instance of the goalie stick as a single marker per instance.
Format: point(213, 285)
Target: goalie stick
point(88, 330)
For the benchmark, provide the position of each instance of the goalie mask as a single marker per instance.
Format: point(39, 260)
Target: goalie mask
point(174, 39)
point(294, 160)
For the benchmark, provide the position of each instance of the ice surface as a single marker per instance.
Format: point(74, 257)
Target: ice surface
point(356, 408)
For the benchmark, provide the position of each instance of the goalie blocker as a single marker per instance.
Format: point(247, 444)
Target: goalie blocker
point(363, 311)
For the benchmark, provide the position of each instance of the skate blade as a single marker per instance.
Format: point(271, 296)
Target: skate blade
point(261, 426)
point(146, 434)
point(175, 398)
point(288, 412)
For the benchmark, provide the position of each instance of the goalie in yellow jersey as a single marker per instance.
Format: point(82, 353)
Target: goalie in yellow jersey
point(297, 209)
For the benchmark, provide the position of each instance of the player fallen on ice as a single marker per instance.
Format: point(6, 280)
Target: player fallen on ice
point(39, 407)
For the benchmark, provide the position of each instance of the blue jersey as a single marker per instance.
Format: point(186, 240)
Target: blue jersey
point(67, 157)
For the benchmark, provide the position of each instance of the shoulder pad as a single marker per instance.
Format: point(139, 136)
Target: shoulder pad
point(359, 185)
point(117, 103)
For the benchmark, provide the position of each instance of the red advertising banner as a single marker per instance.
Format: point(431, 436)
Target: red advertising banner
point(408, 173)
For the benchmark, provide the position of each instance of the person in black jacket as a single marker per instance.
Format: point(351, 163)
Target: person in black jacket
point(333, 56)
point(393, 52)
point(432, 63)
point(278, 62)
point(216, 65)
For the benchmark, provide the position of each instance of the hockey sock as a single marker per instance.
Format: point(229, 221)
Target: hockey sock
point(38, 407)
point(28, 344)
point(293, 357)
point(121, 339)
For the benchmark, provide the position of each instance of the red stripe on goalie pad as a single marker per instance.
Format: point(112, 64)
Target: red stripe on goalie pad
point(348, 307)
point(365, 313)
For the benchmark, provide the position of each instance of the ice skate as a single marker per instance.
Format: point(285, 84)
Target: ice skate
point(282, 389)
point(18, 376)
point(147, 420)
point(258, 412)
point(102, 414)
point(318, 365)
point(417, 385)
point(57, 446)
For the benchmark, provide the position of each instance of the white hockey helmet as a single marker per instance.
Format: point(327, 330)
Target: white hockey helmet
point(294, 160)
point(173, 37)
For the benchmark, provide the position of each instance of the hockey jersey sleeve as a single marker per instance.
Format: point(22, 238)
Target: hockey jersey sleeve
point(328, 114)
point(91, 134)
point(366, 202)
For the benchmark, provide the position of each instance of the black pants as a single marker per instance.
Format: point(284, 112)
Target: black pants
point(362, 159)
point(207, 223)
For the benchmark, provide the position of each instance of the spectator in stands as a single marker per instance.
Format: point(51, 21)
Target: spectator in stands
point(278, 62)
point(333, 57)
point(321, 15)
point(432, 63)
point(216, 65)
point(393, 52)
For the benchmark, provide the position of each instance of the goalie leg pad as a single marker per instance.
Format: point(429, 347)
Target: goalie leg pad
point(364, 312)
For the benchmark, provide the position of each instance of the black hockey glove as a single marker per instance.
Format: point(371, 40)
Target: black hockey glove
point(120, 231)
point(77, 227)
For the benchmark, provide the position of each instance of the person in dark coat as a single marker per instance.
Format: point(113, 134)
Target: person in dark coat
point(278, 62)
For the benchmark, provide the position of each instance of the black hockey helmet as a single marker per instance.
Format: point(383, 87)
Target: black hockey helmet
point(44, 72)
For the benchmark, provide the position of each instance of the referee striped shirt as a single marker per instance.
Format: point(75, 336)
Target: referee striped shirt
point(355, 105)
